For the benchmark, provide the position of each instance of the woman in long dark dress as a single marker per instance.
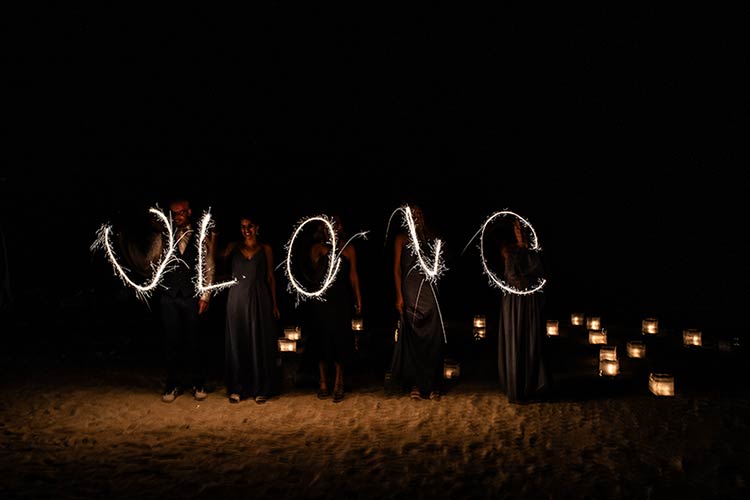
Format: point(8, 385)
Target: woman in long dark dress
point(521, 364)
point(329, 321)
point(418, 352)
point(250, 333)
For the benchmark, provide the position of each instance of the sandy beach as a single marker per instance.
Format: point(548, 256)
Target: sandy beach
point(82, 416)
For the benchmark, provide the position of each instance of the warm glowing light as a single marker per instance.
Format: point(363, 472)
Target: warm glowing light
point(636, 349)
point(692, 337)
point(480, 327)
point(533, 245)
point(293, 333)
point(202, 266)
point(451, 369)
point(104, 241)
point(553, 328)
point(598, 336)
point(576, 319)
point(357, 324)
point(661, 384)
point(480, 321)
point(334, 263)
point(287, 345)
point(609, 367)
point(608, 352)
point(593, 322)
point(650, 326)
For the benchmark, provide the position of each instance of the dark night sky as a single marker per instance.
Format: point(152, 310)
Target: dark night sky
point(614, 130)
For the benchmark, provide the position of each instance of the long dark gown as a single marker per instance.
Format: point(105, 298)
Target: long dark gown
point(329, 321)
point(418, 352)
point(520, 360)
point(250, 335)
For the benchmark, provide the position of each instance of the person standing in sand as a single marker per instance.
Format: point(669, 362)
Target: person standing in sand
point(522, 370)
point(251, 314)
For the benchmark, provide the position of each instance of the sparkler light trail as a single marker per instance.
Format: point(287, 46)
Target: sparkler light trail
point(202, 267)
point(103, 241)
point(430, 273)
point(334, 263)
point(495, 281)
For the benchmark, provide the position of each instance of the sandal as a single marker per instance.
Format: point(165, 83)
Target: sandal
point(338, 396)
point(434, 395)
point(234, 398)
point(260, 399)
point(323, 394)
point(414, 394)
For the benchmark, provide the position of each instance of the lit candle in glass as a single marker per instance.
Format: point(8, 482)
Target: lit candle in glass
point(636, 349)
point(553, 327)
point(593, 322)
point(661, 384)
point(650, 326)
point(692, 337)
point(357, 324)
point(609, 367)
point(287, 345)
point(608, 352)
point(451, 369)
point(598, 336)
point(480, 326)
point(293, 333)
point(576, 319)
point(480, 321)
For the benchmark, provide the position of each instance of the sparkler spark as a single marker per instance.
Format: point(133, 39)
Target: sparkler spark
point(430, 273)
point(202, 266)
point(334, 263)
point(495, 281)
point(433, 271)
point(144, 291)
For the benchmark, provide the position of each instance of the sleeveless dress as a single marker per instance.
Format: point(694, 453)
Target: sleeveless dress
point(329, 321)
point(520, 362)
point(250, 334)
point(418, 352)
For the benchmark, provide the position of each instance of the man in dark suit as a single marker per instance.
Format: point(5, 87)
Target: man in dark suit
point(180, 307)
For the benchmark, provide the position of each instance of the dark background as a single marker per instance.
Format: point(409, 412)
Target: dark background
point(615, 130)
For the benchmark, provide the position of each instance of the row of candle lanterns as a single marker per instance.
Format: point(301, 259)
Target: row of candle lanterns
point(660, 384)
point(650, 326)
point(597, 334)
point(292, 334)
